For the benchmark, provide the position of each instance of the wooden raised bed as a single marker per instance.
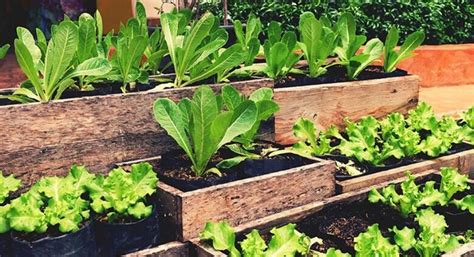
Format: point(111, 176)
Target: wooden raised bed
point(329, 104)
point(464, 161)
point(172, 249)
point(184, 214)
point(41, 139)
point(298, 214)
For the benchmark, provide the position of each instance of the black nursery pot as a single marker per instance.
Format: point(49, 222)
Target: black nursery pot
point(253, 168)
point(115, 239)
point(78, 244)
point(5, 245)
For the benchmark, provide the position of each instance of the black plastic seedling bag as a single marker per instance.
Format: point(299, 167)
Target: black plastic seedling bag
point(118, 239)
point(78, 244)
point(5, 244)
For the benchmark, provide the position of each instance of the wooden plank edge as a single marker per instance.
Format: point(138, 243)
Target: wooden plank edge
point(171, 249)
point(466, 250)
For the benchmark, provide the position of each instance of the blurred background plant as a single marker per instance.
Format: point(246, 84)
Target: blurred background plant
point(444, 22)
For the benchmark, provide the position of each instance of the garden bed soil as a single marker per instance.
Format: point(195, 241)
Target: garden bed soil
point(329, 104)
point(337, 74)
point(463, 161)
point(96, 131)
point(175, 168)
point(184, 214)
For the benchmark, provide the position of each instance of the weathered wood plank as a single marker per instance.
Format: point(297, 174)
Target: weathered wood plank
point(184, 214)
point(463, 161)
point(329, 104)
point(47, 138)
point(466, 250)
point(172, 249)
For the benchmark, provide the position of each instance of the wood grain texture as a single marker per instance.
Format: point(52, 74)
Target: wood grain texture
point(464, 161)
point(47, 138)
point(297, 214)
point(172, 249)
point(329, 104)
point(186, 213)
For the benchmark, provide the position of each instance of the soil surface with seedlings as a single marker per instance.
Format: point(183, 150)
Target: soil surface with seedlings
point(336, 73)
point(175, 168)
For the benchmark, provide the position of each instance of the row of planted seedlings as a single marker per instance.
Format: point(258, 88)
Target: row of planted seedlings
point(81, 214)
point(99, 89)
point(425, 216)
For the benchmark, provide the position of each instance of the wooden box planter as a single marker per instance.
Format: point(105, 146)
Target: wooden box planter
point(329, 104)
point(298, 214)
point(41, 139)
point(464, 161)
point(172, 249)
point(184, 214)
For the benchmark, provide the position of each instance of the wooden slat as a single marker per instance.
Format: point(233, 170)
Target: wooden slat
point(464, 161)
point(184, 214)
point(172, 249)
point(47, 138)
point(329, 104)
point(466, 250)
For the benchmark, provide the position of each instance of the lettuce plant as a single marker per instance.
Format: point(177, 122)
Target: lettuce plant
point(285, 241)
point(317, 43)
point(412, 198)
point(398, 135)
point(249, 40)
point(349, 43)
point(51, 73)
point(468, 117)
point(52, 202)
point(8, 184)
point(422, 117)
point(191, 49)
point(279, 51)
point(331, 252)
point(372, 243)
point(432, 240)
point(465, 204)
point(4, 50)
point(312, 143)
point(244, 144)
point(200, 126)
point(393, 57)
point(123, 194)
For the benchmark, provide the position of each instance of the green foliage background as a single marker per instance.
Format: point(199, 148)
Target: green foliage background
point(443, 21)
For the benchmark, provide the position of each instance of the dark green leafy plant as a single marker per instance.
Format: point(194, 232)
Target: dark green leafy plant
point(249, 41)
point(285, 241)
point(266, 107)
point(51, 73)
point(201, 128)
point(191, 49)
point(392, 57)
point(279, 52)
point(317, 42)
point(349, 43)
point(130, 46)
point(4, 50)
point(123, 194)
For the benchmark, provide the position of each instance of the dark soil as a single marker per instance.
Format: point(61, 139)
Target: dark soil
point(336, 74)
point(50, 233)
point(175, 168)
